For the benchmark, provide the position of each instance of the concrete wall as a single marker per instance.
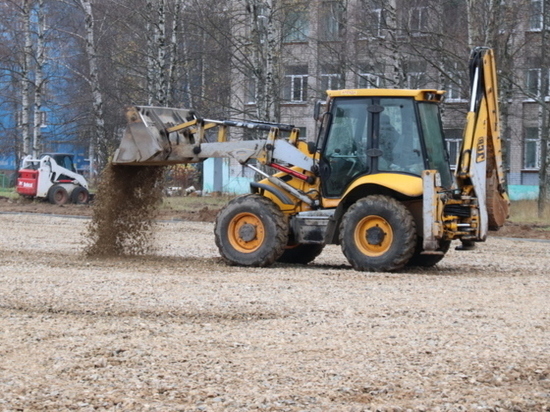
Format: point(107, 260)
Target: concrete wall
point(523, 192)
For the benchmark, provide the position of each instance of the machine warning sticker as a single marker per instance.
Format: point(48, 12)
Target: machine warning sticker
point(480, 150)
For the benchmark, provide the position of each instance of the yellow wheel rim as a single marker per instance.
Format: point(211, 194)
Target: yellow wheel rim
point(373, 235)
point(246, 232)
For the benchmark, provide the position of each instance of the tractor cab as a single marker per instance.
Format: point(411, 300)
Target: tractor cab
point(373, 131)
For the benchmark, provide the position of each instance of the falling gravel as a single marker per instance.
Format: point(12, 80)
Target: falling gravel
point(124, 210)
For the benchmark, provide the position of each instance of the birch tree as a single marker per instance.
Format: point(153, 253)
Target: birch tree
point(156, 52)
point(544, 111)
point(39, 80)
point(98, 145)
point(265, 48)
point(167, 52)
point(395, 56)
point(26, 80)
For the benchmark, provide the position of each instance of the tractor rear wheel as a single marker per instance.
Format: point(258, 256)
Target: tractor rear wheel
point(378, 234)
point(251, 231)
point(58, 195)
point(302, 253)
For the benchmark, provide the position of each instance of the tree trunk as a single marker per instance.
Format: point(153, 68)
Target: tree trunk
point(544, 112)
point(151, 30)
point(265, 44)
point(271, 48)
point(173, 58)
point(26, 80)
point(98, 138)
point(471, 23)
point(39, 80)
point(395, 58)
point(160, 74)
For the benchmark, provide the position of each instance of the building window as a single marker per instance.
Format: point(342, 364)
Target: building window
point(19, 118)
point(531, 149)
point(331, 20)
point(43, 119)
point(250, 90)
point(376, 23)
point(257, 23)
point(369, 81)
point(331, 81)
point(416, 75)
point(453, 139)
point(533, 81)
point(303, 132)
point(330, 78)
point(457, 89)
point(415, 80)
point(535, 15)
point(295, 84)
point(418, 20)
point(296, 26)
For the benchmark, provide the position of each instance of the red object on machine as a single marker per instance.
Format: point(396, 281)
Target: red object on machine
point(291, 172)
point(27, 182)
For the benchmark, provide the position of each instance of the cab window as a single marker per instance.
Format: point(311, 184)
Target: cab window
point(399, 139)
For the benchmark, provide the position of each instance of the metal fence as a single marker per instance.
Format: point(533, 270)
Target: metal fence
point(6, 181)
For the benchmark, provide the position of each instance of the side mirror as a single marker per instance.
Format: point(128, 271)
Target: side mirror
point(317, 109)
point(311, 147)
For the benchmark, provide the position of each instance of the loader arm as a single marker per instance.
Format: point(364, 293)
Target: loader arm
point(166, 136)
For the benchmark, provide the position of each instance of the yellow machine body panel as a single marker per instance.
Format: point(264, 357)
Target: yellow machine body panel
point(418, 94)
point(407, 185)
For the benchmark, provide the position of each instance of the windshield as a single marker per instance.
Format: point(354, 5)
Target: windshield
point(437, 157)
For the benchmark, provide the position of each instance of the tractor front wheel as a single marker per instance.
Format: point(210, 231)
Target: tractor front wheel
point(378, 234)
point(251, 231)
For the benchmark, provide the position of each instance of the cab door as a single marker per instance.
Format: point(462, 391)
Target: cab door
point(344, 150)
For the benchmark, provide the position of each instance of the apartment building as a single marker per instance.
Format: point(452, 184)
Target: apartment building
point(318, 45)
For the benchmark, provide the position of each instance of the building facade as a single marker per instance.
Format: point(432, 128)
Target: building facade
point(320, 45)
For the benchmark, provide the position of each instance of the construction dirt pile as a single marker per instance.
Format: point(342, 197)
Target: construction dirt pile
point(175, 329)
point(125, 207)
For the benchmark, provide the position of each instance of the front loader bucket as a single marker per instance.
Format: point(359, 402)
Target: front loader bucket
point(145, 140)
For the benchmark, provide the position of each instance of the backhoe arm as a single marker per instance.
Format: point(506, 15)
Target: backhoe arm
point(480, 202)
point(480, 172)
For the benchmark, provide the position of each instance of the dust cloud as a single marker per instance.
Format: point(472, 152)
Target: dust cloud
point(125, 206)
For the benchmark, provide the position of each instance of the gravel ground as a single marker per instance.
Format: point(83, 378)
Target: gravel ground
point(179, 330)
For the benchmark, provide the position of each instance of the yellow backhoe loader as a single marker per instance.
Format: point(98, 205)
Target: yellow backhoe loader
point(377, 181)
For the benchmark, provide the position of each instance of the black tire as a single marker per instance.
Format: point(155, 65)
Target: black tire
point(58, 195)
point(427, 261)
point(251, 231)
point(302, 253)
point(80, 195)
point(378, 234)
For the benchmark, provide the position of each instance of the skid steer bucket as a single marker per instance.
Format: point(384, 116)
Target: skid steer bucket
point(146, 140)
